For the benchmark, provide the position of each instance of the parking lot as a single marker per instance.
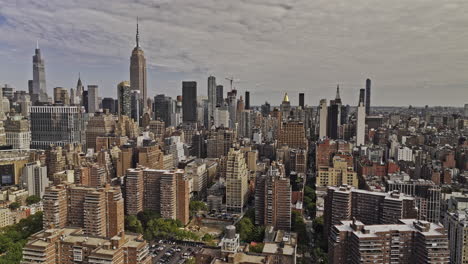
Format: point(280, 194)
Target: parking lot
point(169, 252)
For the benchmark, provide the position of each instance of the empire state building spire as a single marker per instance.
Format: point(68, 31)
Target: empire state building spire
point(137, 36)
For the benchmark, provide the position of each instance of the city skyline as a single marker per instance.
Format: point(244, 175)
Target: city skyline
point(272, 48)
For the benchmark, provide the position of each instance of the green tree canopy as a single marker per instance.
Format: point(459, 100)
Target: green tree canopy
point(14, 205)
point(32, 199)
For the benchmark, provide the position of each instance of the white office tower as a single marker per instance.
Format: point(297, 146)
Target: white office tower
point(323, 112)
point(34, 178)
point(93, 103)
point(221, 117)
point(361, 124)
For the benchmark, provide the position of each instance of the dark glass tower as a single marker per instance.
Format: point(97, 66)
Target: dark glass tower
point(189, 102)
point(219, 95)
point(301, 100)
point(247, 100)
point(368, 94)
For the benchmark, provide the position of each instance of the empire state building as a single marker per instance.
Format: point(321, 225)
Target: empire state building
point(138, 71)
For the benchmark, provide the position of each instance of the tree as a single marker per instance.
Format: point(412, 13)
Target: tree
point(207, 238)
point(197, 206)
point(132, 224)
point(249, 232)
point(146, 215)
point(32, 199)
point(299, 227)
point(14, 205)
point(14, 237)
point(245, 227)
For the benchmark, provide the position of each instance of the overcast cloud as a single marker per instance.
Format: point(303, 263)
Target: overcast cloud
point(415, 51)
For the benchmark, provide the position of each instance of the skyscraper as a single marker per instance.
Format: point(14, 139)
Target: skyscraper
point(323, 112)
point(368, 94)
point(361, 122)
point(93, 103)
point(47, 126)
point(163, 109)
point(211, 96)
point(39, 82)
point(301, 100)
point(189, 102)
point(273, 199)
point(136, 106)
point(138, 71)
point(34, 178)
point(247, 100)
point(219, 95)
point(236, 181)
point(79, 89)
point(124, 98)
point(334, 116)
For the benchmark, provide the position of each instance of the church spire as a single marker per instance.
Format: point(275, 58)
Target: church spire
point(137, 36)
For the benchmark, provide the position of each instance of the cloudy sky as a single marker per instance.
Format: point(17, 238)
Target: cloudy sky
point(415, 51)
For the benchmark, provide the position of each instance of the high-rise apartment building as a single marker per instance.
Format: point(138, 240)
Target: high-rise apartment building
point(99, 211)
point(55, 207)
point(134, 190)
point(73, 245)
point(273, 199)
point(97, 175)
point(34, 178)
point(236, 181)
point(196, 170)
point(189, 102)
point(138, 72)
point(219, 142)
point(456, 224)
point(124, 98)
point(292, 134)
point(150, 157)
point(427, 194)
point(94, 216)
point(346, 203)
point(56, 125)
point(338, 174)
point(408, 241)
point(172, 197)
point(101, 124)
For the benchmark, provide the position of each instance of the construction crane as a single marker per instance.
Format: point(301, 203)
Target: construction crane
point(231, 80)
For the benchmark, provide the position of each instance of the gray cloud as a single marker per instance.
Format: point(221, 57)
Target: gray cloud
point(414, 51)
